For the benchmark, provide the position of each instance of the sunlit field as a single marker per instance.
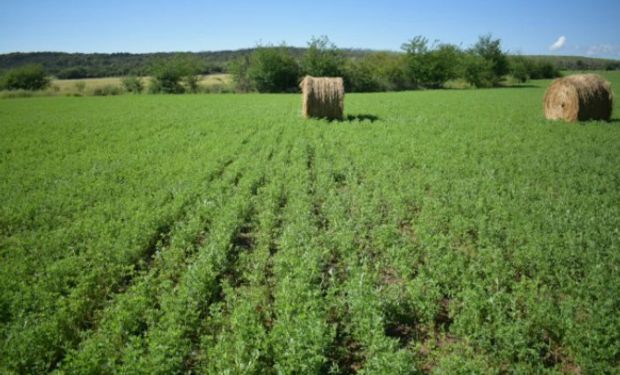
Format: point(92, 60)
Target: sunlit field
point(445, 231)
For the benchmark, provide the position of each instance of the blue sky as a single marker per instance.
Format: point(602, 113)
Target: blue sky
point(587, 28)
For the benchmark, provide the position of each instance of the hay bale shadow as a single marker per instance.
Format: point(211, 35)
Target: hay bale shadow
point(359, 118)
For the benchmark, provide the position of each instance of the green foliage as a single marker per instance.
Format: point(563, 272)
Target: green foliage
point(175, 75)
point(390, 70)
point(107, 90)
point(445, 62)
point(478, 71)
point(431, 66)
point(76, 72)
point(322, 59)
point(543, 70)
point(380, 71)
point(273, 69)
point(27, 77)
point(360, 76)
point(519, 69)
point(132, 84)
point(446, 231)
point(523, 69)
point(239, 69)
point(98, 65)
point(418, 54)
point(491, 51)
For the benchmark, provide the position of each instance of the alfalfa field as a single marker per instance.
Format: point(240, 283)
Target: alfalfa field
point(443, 231)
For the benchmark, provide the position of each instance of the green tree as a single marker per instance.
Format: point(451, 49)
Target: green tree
point(132, 84)
point(27, 77)
point(542, 70)
point(176, 74)
point(239, 68)
point(548, 70)
point(519, 69)
point(431, 66)
point(360, 76)
point(417, 60)
point(390, 69)
point(273, 69)
point(491, 51)
point(444, 61)
point(478, 71)
point(323, 59)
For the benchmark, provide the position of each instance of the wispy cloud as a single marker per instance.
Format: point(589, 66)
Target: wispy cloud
point(558, 44)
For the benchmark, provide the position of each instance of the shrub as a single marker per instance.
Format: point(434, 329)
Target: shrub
point(175, 75)
point(360, 77)
point(27, 77)
point(80, 86)
point(190, 82)
point(430, 67)
point(239, 70)
point(547, 70)
point(273, 69)
point(390, 70)
point(519, 69)
point(108, 90)
point(16, 94)
point(478, 71)
point(132, 84)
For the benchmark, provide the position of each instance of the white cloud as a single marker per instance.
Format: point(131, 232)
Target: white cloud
point(558, 44)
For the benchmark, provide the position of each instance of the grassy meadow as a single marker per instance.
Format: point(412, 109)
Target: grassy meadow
point(441, 231)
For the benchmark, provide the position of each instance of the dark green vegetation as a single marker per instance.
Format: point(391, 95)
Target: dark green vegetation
point(445, 231)
point(98, 65)
point(27, 77)
point(175, 75)
point(93, 65)
point(422, 65)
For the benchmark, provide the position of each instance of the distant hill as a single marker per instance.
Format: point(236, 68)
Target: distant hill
point(95, 65)
point(578, 62)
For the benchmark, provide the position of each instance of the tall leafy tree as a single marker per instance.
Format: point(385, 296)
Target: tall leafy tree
point(491, 51)
point(273, 69)
point(175, 75)
point(323, 59)
point(430, 66)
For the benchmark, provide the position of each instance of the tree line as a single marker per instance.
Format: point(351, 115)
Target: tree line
point(269, 68)
point(97, 65)
point(422, 64)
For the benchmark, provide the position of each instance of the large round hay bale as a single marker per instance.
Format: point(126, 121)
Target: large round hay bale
point(322, 97)
point(579, 97)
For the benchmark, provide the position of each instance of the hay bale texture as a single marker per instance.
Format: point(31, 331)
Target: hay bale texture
point(322, 97)
point(579, 97)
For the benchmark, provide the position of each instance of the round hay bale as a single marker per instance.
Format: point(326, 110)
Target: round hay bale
point(322, 97)
point(579, 97)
